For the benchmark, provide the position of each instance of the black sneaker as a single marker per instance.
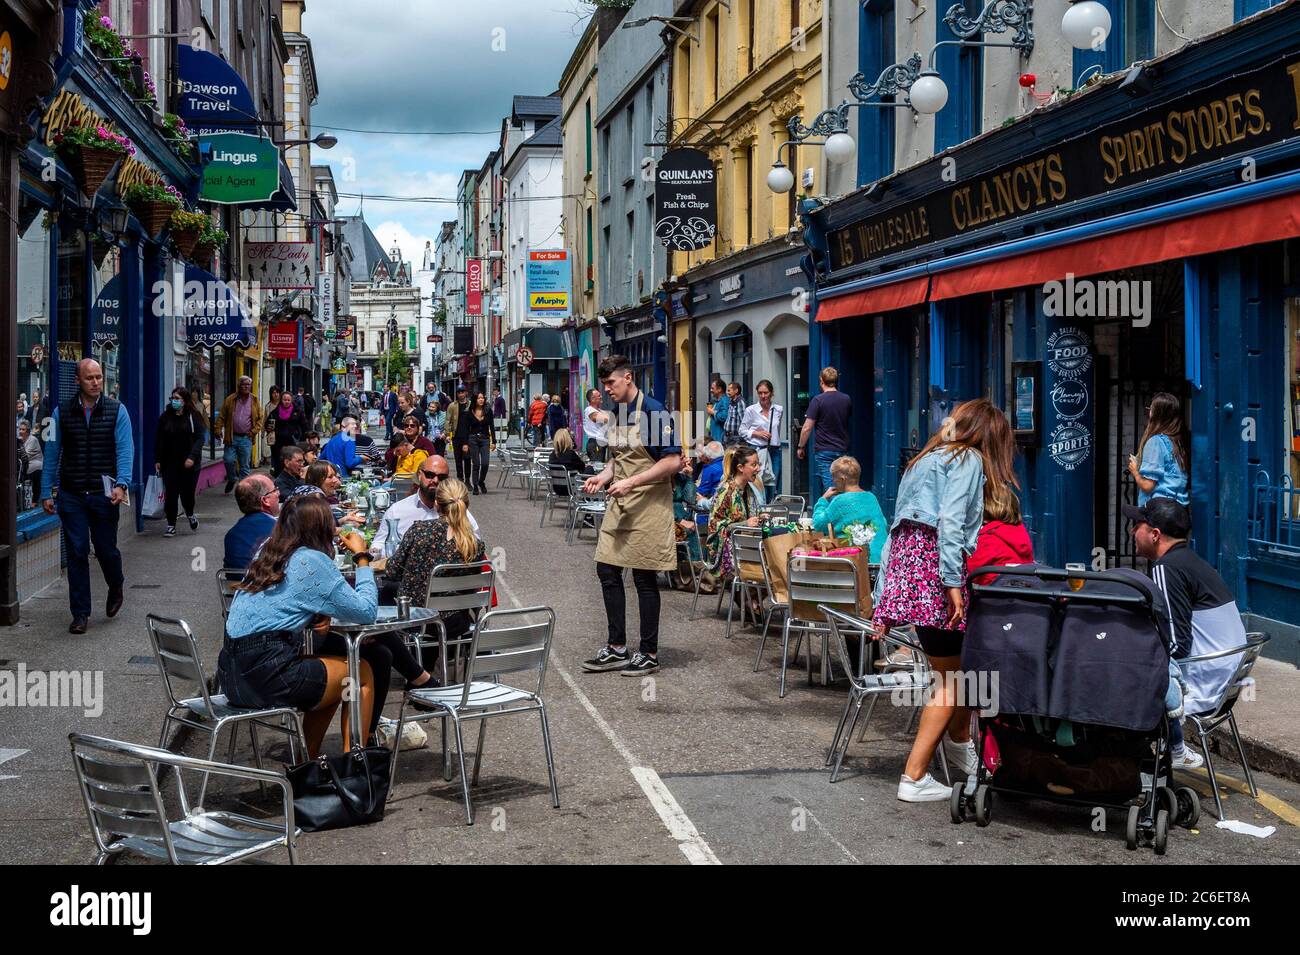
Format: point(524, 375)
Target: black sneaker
point(194, 523)
point(607, 659)
point(170, 531)
point(230, 486)
point(641, 664)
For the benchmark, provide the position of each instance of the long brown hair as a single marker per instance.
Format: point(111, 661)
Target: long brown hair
point(739, 458)
point(303, 522)
point(981, 427)
point(1165, 416)
point(453, 504)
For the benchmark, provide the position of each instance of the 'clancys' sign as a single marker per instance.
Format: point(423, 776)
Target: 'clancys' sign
point(1239, 114)
point(686, 200)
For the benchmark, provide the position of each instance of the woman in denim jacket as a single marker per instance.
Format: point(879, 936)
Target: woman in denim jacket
point(937, 519)
point(1160, 467)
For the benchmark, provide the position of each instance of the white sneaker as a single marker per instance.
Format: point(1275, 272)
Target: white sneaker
point(925, 789)
point(1187, 759)
point(962, 757)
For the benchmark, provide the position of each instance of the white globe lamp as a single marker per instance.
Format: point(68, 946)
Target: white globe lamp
point(1086, 25)
point(780, 179)
point(929, 93)
point(840, 148)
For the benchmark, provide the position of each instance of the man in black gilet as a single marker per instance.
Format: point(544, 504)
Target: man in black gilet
point(90, 449)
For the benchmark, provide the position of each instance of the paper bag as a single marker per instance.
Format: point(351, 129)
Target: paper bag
point(807, 609)
point(776, 550)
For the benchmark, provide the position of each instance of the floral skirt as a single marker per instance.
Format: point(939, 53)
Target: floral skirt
point(912, 592)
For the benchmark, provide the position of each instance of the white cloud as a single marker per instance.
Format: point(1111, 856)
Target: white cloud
point(411, 244)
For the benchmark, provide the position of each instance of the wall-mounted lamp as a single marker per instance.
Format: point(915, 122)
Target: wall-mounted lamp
point(1086, 24)
point(929, 93)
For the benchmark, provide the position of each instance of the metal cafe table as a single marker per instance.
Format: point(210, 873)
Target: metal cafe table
point(355, 633)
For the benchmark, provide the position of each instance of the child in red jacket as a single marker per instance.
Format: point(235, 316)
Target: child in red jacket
point(1003, 539)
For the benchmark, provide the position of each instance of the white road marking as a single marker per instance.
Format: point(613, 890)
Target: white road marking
point(8, 754)
point(824, 831)
point(679, 825)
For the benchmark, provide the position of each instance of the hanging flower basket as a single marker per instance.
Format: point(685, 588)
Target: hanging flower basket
point(153, 204)
point(186, 230)
point(91, 154)
point(211, 239)
point(202, 256)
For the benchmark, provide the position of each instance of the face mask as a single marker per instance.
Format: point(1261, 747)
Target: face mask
point(176, 404)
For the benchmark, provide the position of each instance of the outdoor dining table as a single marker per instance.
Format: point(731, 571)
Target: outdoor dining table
point(355, 634)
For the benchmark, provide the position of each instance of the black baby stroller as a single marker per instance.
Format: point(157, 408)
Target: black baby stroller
point(1079, 680)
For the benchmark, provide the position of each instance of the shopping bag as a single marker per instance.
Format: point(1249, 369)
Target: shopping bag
point(151, 505)
point(776, 550)
point(807, 610)
point(766, 475)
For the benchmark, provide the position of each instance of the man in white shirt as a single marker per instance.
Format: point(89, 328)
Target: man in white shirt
point(595, 425)
point(761, 427)
point(419, 506)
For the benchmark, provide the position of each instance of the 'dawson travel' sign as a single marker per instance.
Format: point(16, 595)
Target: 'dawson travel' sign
point(1237, 115)
point(686, 200)
point(238, 168)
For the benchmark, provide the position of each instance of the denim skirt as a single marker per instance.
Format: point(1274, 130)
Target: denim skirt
point(269, 669)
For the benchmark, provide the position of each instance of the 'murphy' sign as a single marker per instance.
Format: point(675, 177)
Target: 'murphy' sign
point(1241, 113)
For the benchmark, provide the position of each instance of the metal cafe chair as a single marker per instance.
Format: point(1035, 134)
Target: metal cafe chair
point(228, 581)
point(559, 475)
point(793, 503)
point(866, 687)
point(1207, 723)
point(812, 581)
point(504, 641)
point(119, 785)
point(177, 653)
point(585, 510)
point(748, 579)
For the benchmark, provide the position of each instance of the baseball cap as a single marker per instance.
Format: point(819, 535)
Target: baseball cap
point(1164, 514)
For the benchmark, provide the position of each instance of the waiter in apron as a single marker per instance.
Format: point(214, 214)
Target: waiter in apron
point(637, 530)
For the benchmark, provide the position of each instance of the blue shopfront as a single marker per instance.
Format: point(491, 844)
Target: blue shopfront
point(87, 266)
point(1129, 241)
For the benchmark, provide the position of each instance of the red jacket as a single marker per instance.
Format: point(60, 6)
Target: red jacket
point(1000, 543)
point(537, 412)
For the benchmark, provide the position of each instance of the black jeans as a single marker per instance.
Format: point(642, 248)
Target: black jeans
point(479, 449)
point(179, 482)
point(462, 462)
point(647, 598)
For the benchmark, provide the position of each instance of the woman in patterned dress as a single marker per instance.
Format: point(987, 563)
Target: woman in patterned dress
point(937, 517)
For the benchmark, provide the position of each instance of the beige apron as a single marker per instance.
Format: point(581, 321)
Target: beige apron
point(637, 530)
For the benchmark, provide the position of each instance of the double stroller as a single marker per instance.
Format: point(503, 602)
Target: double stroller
point(1077, 709)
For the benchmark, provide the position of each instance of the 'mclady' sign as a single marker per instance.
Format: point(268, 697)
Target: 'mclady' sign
point(1241, 113)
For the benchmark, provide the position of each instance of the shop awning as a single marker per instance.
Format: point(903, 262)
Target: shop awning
point(283, 200)
point(1270, 220)
point(213, 313)
point(882, 298)
point(1184, 229)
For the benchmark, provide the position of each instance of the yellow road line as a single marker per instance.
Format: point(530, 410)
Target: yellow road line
point(1200, 781)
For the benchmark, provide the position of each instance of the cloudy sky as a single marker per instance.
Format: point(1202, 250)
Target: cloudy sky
point(440, 66)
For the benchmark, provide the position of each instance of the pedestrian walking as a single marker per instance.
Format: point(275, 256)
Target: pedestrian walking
point(287, 423)
point(89, 462)
point(326, 416)
point(595, 424)
point(30, 446)
point(456, 424)
point(556, 417)
point(500, 417)
point(1160, 466)
point(735, 416)
point(178, 451)
point(390, 409)
point(937, 517)
point(268, 427)
point(479, 427)
point(437, 427)
point(637, 530)
point(761, 427)
point(537, 417)
point(307, 405)
point(717, 409)
point(826, 423)
point(239, 420)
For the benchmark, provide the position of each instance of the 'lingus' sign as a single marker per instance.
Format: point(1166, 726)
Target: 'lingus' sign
point(238, 168)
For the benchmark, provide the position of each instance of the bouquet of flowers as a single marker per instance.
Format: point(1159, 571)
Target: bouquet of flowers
point(84, 137)
point(859, 534)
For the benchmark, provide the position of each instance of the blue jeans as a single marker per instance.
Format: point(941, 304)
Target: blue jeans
point(240, 448)
point(822, 461)
point(1173, 699)
point(87, 518)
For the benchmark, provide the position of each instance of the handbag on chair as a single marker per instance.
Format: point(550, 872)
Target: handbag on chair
point(334, 792)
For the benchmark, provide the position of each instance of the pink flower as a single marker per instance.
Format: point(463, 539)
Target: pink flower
point(106, 22)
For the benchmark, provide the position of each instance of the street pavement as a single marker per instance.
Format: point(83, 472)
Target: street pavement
point(701, 762)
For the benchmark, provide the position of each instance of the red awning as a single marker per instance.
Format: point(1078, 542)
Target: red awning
point(1269, 220)
point(884, 298)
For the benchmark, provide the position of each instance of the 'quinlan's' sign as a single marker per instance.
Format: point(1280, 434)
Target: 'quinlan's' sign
point(1241, 113)
point(238, 168)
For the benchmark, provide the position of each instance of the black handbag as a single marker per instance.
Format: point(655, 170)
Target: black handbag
point(334, 792)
